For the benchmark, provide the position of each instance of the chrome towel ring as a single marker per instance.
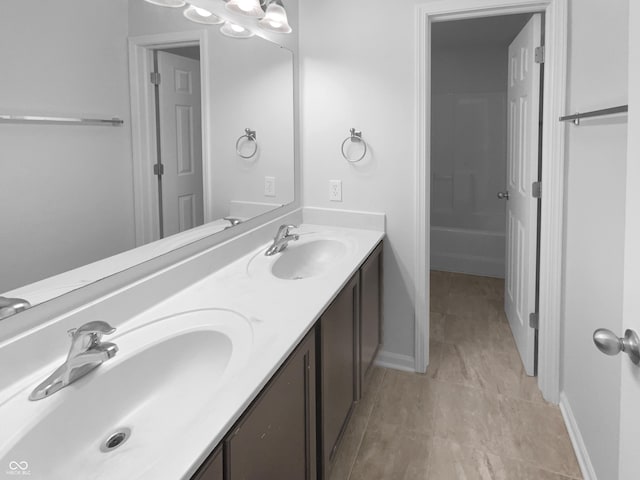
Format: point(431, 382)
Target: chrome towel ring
point(250, 135)
point(354, 136)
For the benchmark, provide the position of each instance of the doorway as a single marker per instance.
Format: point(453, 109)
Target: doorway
point(177, 92)
point(486, 90)
point(170, 169)
point(552, 148)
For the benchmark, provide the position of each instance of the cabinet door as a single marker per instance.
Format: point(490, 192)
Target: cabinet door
point(211, 469)
point(275, 439)
point(338, 357)
point(370, 310)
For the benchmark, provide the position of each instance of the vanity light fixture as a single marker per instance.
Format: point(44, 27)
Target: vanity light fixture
point(251, 8)
point(275, 19)
point(235, 31)
point(200, 15)
point(168, 3)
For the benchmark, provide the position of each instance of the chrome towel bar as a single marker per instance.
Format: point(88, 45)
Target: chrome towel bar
point(6, 118)
point(575, 118)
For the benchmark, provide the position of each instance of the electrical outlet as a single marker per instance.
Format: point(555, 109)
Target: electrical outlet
point(335, 190)
point(269, 186)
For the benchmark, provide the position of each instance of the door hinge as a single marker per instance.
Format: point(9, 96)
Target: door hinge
point(155, 78)
point(536, 189)
point(533, 320)
point(158, 169)
point(539, 54)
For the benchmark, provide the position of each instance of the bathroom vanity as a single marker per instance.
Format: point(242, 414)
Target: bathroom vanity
point(254, 365)
point(293, 429)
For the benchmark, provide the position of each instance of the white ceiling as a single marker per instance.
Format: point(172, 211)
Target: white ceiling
point(494, 31)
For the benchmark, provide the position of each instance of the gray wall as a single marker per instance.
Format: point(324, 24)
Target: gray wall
point(66, 195)
point(595, 199)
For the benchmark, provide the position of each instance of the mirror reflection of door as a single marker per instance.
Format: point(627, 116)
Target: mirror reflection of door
point(179, 131)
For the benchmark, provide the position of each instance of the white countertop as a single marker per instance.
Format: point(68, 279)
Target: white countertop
point(280, 313)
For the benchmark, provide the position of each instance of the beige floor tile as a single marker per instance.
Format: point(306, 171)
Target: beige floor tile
point(495, 288)
point(439, 282)
point(435, 359)
point(389, 452)
point(461, 284)
point(438, 304)
point(540, 436)
point(471, 417)
point(490, 333)
point(473, 307)
point(406, 400)
point(436, 326)
point(451, 461)
point(499, 372)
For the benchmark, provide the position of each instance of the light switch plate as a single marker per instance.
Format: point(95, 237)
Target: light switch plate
point(269, 186)
point(335, 190)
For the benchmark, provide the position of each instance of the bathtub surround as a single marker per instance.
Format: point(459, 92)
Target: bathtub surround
point(469, 69)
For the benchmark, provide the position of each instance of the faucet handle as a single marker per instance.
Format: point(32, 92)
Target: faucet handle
point(97, 327)
point(284, 229)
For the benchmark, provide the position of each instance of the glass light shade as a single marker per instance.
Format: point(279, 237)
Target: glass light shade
point(275, 19)
point(235, 31)
point(200, 15)
point(168, 3)
point(250, 8)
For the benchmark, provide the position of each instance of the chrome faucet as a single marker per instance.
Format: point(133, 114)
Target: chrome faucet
point(86, 353)
point(233, 221)
point(281, 240)
point(11, 306)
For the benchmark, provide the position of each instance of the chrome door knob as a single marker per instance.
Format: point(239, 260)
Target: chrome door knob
point(503, 195)
point(610, 344)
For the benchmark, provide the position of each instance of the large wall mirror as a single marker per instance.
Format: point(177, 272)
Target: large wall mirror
point(204, 149)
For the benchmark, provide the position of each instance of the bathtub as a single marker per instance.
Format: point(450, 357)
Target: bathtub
point(467, 250)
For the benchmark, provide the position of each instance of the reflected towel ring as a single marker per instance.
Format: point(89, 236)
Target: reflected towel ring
point(250, 135)
point(354, 136)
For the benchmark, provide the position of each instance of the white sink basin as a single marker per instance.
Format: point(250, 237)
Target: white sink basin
point(308, 259)
point(164, 377)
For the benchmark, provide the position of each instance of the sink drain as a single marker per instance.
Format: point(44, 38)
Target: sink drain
point(115, 440)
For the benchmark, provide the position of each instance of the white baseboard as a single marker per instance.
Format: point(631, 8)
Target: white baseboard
point(588, 473)
point(395, 361)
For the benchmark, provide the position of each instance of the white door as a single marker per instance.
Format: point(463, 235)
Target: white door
point(522, 169)
point(180, 142)
point(630, 394)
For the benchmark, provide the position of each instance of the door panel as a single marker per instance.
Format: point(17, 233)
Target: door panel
point(275, 439)
point(630, 393)
point(180, 142)
point(522, 169)
point(338, 368)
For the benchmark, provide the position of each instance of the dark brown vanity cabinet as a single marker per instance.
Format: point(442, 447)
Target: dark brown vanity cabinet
point(370, 310)
point(211, 469)
point(338, 368)
point(276, 437)
point(293, 428)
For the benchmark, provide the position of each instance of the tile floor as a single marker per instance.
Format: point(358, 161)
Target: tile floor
point(473, 415)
